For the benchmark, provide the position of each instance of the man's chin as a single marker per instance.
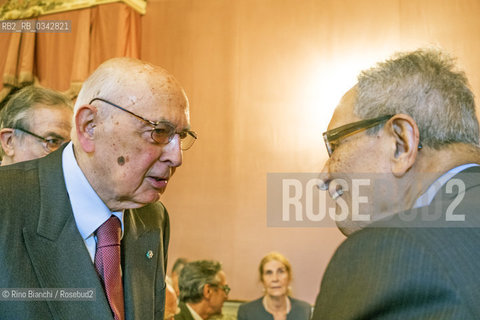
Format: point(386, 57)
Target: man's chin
point(347, 227)
point(144, 200)
point(216, 315)
point(153, 196)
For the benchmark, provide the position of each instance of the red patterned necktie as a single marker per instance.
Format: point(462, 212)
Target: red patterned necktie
point(107, 263)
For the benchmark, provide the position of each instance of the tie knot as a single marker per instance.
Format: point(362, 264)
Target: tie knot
point(109, 233)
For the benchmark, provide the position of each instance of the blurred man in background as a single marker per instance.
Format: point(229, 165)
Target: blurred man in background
point(203, 290)
point(34, 122)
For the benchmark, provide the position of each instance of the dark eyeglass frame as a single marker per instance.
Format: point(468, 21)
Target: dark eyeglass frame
point(226, 288)
point(346, 130)
point(185, 143)
point(46, 142)
point(336, 134)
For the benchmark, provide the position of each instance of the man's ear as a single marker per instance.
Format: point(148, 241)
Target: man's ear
point(6, 139)
point(207, 291)
point(85, 122)
point(406, 136)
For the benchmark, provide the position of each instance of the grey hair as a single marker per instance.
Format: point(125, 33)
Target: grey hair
point(194, 276)
point(424, 85)
point(16, 112)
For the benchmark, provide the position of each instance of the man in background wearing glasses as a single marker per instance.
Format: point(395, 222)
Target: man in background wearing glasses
point(86, 217)
point(203, 290)
point(34, 122)
point(408, 134)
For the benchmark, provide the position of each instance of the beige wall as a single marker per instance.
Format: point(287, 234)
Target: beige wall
point(263, 77)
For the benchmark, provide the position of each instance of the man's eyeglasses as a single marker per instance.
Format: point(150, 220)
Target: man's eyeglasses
point(332, 137)
point(49, 144)
point(225, 288)
point(163, 132)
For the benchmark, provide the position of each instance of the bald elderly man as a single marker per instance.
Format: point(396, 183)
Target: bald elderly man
point(86, 217)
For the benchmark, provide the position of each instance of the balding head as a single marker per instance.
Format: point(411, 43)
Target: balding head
point(120, 111)
point(129, 82)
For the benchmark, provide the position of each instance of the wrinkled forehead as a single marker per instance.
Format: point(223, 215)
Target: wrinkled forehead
point(274, 264)
point(48, 114)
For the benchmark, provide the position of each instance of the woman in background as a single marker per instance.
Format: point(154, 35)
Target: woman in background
point(275, 274)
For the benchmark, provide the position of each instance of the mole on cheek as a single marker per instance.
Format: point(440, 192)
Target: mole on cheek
point(121, 160)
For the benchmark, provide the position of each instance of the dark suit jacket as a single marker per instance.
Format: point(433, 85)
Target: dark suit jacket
point(184, 312)
point(254, 310)
point(40, 247)
point(412, 266)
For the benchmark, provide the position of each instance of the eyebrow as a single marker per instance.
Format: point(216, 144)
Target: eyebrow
point(185, 129)
point(279, 268)
point(55, 135)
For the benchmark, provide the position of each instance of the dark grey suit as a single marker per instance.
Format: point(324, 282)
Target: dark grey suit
point(418, 269)
point(184, 312)
point(254, 310)
point(40, 247)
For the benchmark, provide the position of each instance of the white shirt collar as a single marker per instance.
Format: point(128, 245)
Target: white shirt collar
point(426, 198)
point(89, 211)
point(195, 315)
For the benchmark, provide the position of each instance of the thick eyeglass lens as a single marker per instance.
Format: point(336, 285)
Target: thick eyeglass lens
point(166, 134)
point(53, 144)
point(163, 134)
point(187, 138)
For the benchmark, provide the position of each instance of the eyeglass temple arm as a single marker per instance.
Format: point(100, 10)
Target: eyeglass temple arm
point(349, 128)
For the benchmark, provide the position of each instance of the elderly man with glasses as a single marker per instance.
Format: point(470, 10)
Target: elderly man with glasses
point(406, 133)
point(203, 290)
point(34, 122)
point(86, 217)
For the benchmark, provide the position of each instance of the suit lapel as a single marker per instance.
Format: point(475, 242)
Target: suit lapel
point(141, 252)
point(56, 249)
point(184, 312)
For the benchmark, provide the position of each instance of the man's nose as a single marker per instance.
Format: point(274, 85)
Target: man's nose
point(172, 152)
point(329, 183)
point(324, 177)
